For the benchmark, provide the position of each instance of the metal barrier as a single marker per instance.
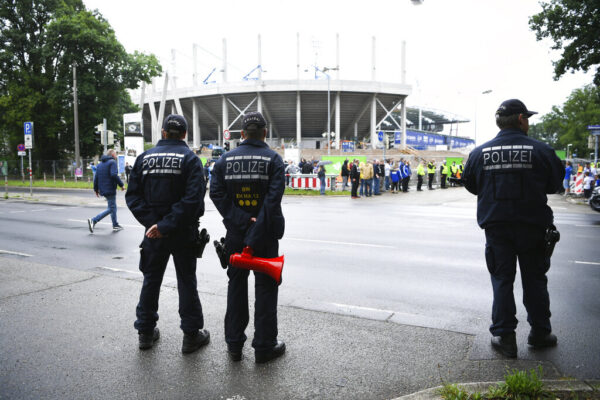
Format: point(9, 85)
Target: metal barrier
point(311, 181)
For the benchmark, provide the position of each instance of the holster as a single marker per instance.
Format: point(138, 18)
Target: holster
point(551, 237)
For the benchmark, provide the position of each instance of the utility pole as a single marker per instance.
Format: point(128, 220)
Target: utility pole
point(76, 116)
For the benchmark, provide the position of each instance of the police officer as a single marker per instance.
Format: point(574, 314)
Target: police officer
point(247, 185)
point(166, 195)
point(430, 174)
point(511, 175)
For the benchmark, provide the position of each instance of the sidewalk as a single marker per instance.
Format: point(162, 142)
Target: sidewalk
point(69, 334)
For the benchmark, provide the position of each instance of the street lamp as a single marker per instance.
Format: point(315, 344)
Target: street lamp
point(324, 72)
point(484, 92)
point(569, 145)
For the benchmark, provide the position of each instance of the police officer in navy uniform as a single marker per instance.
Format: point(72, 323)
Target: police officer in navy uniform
point(166, 195)
point(511, 175)
point(247, 185)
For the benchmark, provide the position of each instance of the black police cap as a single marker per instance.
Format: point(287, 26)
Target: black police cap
point(255, 118)
point(511, 107)
point(175, 123)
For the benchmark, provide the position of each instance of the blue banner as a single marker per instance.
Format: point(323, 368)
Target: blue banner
point(348, 147)
point(121, 161)
point(422, 140)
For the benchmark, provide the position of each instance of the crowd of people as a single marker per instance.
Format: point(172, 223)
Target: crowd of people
point(372, 178)
point(591, 178)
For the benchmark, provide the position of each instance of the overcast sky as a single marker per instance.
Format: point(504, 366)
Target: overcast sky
point(456, 49)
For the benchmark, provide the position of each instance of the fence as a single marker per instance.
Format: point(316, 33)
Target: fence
point(44, 169)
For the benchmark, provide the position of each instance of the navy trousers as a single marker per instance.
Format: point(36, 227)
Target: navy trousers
point(265, 307)
point(505, 243)
point(154, 255)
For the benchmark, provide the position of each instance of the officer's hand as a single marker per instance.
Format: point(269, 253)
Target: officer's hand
point(97, 194)
point(122, 188)
point(252, 219)
point(153, 232)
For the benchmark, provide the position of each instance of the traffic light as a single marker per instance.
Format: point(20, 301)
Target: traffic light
point(226, 146)
point(111, 137)
point(98, 134)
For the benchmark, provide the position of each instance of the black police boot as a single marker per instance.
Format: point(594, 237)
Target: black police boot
point(193, 341)
point(544, 340)
point(506, 345)
point(235, 355)
point(146, 340)
point(268, 355)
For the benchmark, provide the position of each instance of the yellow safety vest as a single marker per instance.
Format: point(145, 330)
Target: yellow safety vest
point(445, 170)
point(420, 170)
point(430, 168)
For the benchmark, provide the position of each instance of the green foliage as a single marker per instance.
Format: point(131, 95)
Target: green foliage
point(496, 392)
point(574, 26)
point(568, 123)
point(521, 383)
point(39, 44)
point(456, 392)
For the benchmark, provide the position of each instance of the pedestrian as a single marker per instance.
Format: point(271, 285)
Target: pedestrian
point(247, 187)
point(354, 179)
point(453, 173)
point(166, 196)
point(307, 167)
point(420, 175)
point(345, 174)
point(368, 178)
point(443, 174)
point(407, 174)
point(127, 171)
point(106, 181)
point(588, 185)
point(430, 174)
point(387, 170)
point(93, 168)
point(362, 168)
point(395, 176)
point(567, 180)
point(291, 169)
point(321, 176)
point(376, 178)
point(511, 175)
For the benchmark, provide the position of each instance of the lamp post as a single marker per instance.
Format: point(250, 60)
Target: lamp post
point(484, 92)
point(324, 72)
point(569, 145)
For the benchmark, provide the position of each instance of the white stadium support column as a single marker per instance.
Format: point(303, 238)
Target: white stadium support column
point(404, 123)
point(161, 110)
point(225, 119)
point(195, 125)
point(373, 67)
point(259, 104)
point(337, 121)
point(403, 72)
point(298, 121)
point(224, 60)
point(374, 138)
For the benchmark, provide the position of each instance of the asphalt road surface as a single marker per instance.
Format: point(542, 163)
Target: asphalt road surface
point(414, 259)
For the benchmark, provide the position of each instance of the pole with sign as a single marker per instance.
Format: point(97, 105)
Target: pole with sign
point(595, 131)
point(22, 153)
point(28, 131)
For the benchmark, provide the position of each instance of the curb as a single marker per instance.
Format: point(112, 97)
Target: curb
point(551, 385)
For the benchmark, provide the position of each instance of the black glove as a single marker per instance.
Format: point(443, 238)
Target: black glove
point(221, 252)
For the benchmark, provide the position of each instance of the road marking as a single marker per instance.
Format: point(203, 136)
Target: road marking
point(121, 270)
point(15, 253)
point(361, 308)
point(588, 226)
point(587, 262)
point(40, 209)
point(105, 223)
point(14, 212)
point(341, 243)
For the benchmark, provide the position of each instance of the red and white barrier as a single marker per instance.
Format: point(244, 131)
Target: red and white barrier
point(578, 188)
point(311, 182)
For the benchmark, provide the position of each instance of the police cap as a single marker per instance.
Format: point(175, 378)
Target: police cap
point(255, 118)
point(175, 123)
point(511, 107)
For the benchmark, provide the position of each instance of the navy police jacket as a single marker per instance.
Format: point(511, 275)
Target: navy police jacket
point(511, 175)
point(107, 178)
point(166, 187)
point(247, 182)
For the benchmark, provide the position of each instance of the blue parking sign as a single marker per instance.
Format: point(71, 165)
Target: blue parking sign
point(380, 136)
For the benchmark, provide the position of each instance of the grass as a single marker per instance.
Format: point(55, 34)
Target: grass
point(51, 184)
point(518, 385)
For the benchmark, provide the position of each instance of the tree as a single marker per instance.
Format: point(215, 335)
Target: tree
point(40, 42)
point(568, 123)
point(574, 26)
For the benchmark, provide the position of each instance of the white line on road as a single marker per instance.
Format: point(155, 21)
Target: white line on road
point(361, 308)
point(15, 253)
point(341, 243)
point(587, 262)
point(588, 226)
point(105, 223)
point(121, 270)
point(15, 212)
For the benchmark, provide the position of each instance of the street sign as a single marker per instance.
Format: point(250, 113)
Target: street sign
point(28, 131)
point(226, 134)
point(22, 153)
point(380, 136)
point(21, 147)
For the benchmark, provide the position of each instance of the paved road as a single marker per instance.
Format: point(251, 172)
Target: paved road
point(414, 259)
